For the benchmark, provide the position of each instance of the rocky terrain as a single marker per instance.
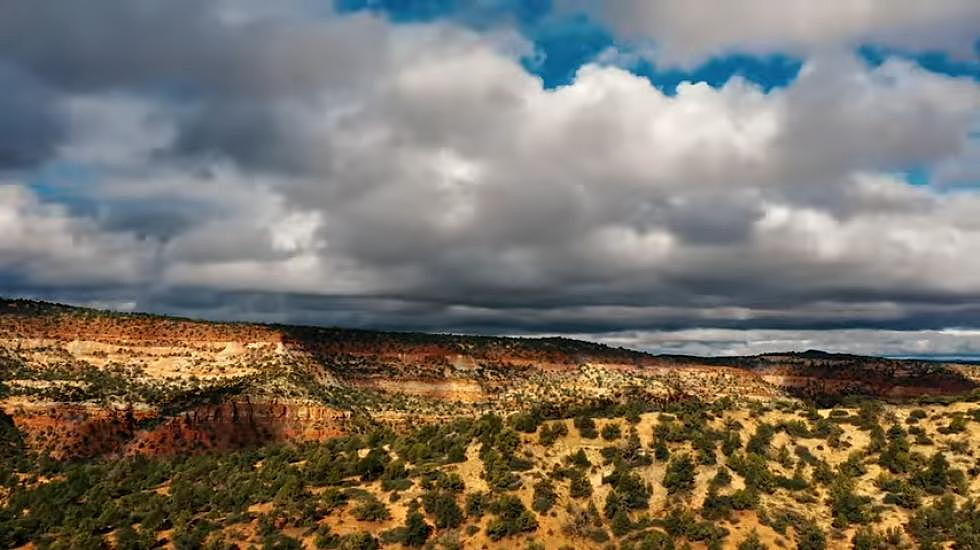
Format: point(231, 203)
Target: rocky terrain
point(132, 431)
point(80, 382)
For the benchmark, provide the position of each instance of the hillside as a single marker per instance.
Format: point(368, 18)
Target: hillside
point(136, 383)
point(136, 431)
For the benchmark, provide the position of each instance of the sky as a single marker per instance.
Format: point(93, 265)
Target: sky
point(678, 176)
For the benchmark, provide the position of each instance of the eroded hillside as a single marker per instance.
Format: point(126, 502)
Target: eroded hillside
point(700, 476)
point(80, 382)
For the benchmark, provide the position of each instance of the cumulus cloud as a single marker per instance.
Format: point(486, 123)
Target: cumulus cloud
point(686, 31)
point(42, 244)
point(265, 165)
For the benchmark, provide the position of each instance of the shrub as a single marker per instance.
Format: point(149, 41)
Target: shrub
point(867, 538)
point(755, 471)
point(399, 484)
point(477, 504)
point(896, 454)
point(761, 439)
point(371, 509)
point(611, 431)
point(579, 459)
point(586, 427)
point(621, 524)
point(279, 541)
point(579, 486)
point(359, 541)
point(417, 531)
point(442, 506)
point(731, 442)
point(544, 496)
point(552, 432)
point(937, 476)
point(902, 493)
point(957, 425)
point(810, 537)
point(333, 498)
point(679, 475)
point(512, 518)
point(932, 525)
point(715, 506)
point(752, 542)
point(916, 415)
point(722, 478)
point(846, 506)
point(629, 493)
point(526, 422)
point(325, 538)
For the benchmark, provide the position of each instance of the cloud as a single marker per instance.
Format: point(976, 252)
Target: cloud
point(686, 31)
point(347, 170)
point(43, 245)
point(950, 343)
point(30, 126)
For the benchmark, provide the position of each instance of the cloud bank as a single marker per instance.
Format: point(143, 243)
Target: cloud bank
point(238, 161)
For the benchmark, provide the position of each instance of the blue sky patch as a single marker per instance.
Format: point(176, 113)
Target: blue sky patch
point(566, 41)
point(935, 61)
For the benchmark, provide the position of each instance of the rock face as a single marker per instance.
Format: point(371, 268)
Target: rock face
point(68, 430)
point(80, 382)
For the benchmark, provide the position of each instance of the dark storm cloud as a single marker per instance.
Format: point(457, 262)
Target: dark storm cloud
point(182, 43)
point(229, 78)
point(30, 127)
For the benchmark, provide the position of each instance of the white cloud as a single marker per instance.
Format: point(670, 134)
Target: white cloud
point(921, 343)
point(687, 31)
point(46, 245)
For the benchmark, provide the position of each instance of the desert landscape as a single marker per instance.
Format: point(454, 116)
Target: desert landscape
point(140, 431)
point(490, 274)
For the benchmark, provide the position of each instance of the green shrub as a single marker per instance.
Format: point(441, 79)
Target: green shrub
point(512, 518)
point(611, 431)
point(526, 422)
point(956, 425)
point(721, 479)
point(544, 496)
point(867, 538)
point(679, 475)
point(916, 415)
point(373, 465)
point(578, 458)
point(752, 542)
point(761, 440)
point(810, 537)
point(847, 507)
point(586, 427)
point(629, 493)
point(552, 432)
point(417, 531)
point(369, 508)
point(477, 504)
point(359, 541)
point(621, 524)
point(442, 506)
point(937, 476)
point(579, 486)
